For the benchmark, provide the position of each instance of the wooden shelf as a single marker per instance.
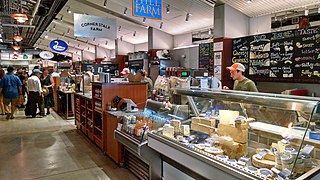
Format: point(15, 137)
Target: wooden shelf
point(97, 128)
point(99, 111)
point(89, 109)
point(83, 106)
point(99, 98)
point(98, 137)
point(83, 115)
point(89, 120)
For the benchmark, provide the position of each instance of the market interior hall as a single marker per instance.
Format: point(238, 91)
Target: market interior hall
point(159, 89)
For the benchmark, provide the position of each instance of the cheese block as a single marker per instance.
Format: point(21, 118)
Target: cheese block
point(263, 163)
point(202, 128)
point(269, 156)
point(196, 119)
point(185, 130)
point(231, 148)
point(176, 124)
point(237, 134)
point(208, 122)
point(282, 146)
point(168, 131)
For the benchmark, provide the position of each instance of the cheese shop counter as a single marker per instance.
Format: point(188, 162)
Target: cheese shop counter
point(235, 135)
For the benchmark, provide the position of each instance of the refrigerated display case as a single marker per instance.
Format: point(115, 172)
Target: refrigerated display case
point(244, 135)
point(132, 133)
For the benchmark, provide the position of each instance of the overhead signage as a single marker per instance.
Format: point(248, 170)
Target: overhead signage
point(58, 45)
point(46, 55)
point(147, 8)
point(94, 26)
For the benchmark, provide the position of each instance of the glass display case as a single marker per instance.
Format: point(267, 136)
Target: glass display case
point(241, 135)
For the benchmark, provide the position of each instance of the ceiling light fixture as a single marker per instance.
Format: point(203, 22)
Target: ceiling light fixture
point(61, 18)
point(286, 17)
point(46, 36)
point(20, 16)
point(119, 29)
point(144, 20)
point(306, 12)
point(17, 37)
point(68, 32)
point(107, 42)
point(161, 25)
point(249, 1)
point(134, 33)
point(125, 11)
point(105, 3)
point(187, 17)
point(16, 47)
point(121, 38)
point(54, 27)
point(168, 9)
point(210, 31)
point(68, 10)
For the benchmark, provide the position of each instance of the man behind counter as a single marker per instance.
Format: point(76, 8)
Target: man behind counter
point(241, 82)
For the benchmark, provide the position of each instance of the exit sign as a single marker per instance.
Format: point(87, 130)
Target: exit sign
point(147, 8)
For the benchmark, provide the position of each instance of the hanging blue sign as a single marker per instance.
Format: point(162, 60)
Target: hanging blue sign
point(147, 8)
point(58, 45)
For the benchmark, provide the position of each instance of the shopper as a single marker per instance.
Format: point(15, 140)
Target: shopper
point(3, 108)
point(11, 88)
point(146, 79)
point(47, 82)
point(35, 92)
point(241, 82)
point(125, 72)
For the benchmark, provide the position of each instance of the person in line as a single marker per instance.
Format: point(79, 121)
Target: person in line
point(35, 92)
point(241, 82)
point(3, 108)
point(125, 72)
point(145, 78)
point(47, 82)
point(11, 88)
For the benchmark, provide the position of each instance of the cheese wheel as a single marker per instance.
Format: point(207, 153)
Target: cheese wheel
point(262, 163)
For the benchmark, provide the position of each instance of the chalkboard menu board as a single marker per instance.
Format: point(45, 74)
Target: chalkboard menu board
point(259, 63)
point(307, 57)
point(240, 51)
point(286, 56)
point(281, 56)
point(204, 56)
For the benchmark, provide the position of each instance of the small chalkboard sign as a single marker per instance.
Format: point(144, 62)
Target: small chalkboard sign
point(240, 51)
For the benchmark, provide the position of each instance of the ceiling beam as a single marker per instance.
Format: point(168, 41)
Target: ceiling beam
point(18, 25)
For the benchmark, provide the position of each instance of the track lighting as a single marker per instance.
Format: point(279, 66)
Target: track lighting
point(306, 12)
point(68, 32)
point(144, 20)
point(210, 31)
point(168, 8)
point(68, 10)
point(105, 3)
point(187, 17)
point(125, 11)
point(61, 17)
point(161, 25)
point(121, 38)
point(134, 33)
point(54, 27)
point(249, 1)
point(46, 36)
point(119, 29)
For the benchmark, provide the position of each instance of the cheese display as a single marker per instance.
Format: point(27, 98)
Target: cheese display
point(262, 163)
point(237, 134)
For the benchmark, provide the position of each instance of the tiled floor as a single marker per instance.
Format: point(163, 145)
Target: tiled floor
point(51, 148)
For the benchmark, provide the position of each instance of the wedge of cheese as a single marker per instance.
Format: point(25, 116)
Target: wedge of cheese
point(168, 131)
point(176, 124)
point(202, 128)
point(262, 163)
point(237, 134)
point(185, 130)
point(269, 156)
point(232, 148)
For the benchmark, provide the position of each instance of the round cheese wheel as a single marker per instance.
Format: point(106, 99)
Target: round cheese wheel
point(262, 163)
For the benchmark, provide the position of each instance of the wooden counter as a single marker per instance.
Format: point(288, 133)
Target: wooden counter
point(99, 126)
